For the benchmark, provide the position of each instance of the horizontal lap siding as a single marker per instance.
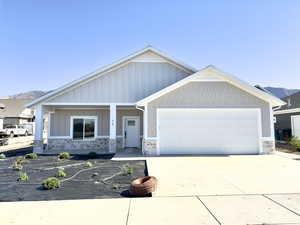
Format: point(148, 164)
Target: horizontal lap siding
point(129, 83)
point(60, 121)
point(208, 95)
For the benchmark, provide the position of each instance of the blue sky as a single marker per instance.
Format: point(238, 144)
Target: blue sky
point(45, 44)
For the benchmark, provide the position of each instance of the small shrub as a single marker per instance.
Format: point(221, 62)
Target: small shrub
point(295, 142)
point(127, 170)
point(21, 160)
point(17, 166)
point(88, 165)
point(92, 155)
point(31, 156)
point(2, 156)
point(64, 155)
point(23, 177)
point(51, 183)
point(61, 173)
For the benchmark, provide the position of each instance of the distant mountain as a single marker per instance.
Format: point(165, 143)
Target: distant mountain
point(27, 95)
point(281, 92)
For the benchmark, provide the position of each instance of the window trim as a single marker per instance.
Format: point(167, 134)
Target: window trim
point(83, 117)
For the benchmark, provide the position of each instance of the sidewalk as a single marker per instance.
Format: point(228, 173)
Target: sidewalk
point(193, 210)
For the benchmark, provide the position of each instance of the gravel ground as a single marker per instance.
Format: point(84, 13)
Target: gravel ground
point(90, 183)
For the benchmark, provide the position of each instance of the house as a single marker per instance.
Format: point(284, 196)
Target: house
point(14, 112)
point(288, 118)
point(159, 105)
point(1, 117)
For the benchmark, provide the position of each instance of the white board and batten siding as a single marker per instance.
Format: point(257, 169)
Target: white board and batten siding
point(209, 131)
point(126, 84)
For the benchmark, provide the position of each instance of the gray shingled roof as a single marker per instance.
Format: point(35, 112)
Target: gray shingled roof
point(13, 107)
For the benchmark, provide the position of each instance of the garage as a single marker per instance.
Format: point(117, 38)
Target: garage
point(208, 131)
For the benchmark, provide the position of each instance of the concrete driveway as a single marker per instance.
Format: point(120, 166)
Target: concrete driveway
point(225, 175)
point(253, 189)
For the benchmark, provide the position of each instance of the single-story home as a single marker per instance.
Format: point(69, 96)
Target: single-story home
point(288, 118)
point(159, 105)
point(14, 112)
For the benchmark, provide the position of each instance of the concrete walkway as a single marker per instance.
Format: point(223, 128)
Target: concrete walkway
point(193, 210)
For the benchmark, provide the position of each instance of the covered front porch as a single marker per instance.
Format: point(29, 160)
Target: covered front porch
point(85, 128)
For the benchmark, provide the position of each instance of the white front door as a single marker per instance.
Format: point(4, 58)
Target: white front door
point(295, 126)
point(132, 132)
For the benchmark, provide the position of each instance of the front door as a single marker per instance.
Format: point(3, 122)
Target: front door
point(132, 132)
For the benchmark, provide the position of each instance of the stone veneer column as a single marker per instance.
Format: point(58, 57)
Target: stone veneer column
point(149, 147)
point(38, 131)
point(112, 128)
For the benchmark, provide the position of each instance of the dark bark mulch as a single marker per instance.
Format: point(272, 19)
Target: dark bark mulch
point(89, 184)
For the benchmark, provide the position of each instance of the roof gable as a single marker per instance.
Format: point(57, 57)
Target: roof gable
point(214, 74)
point(149, 53)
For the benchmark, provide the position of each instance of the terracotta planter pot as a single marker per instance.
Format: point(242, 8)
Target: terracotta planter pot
point(143, 186)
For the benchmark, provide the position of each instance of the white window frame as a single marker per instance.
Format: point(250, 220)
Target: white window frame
point(84, 117)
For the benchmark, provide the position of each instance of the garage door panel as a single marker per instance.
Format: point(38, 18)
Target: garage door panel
point(208, 131)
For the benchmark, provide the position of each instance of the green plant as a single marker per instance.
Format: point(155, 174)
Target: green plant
point(295, 142)
point(92, 155)
point(61, 173)
point(127, 170)
point(17, 166)
point(31, 156)
point(21, 160)
point(2, 156)
point(88, 165)
point(51, 183)
point(23, 177)
point(64, 155)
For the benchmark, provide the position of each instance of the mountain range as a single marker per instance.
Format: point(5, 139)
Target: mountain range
point(276, 91)
point(281, 92)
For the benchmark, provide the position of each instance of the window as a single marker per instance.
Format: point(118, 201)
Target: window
point(83, 127)
point(131, 123)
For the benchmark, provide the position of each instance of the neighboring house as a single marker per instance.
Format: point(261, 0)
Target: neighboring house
point(288, 118)
point(14, 111)
point(1, 117)
point(159, 105)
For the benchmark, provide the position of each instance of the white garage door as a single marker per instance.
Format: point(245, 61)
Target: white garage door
point(208, 131)
point(295, 126)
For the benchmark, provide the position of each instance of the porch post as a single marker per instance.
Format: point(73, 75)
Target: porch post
point(112, 128)
point(38, 131)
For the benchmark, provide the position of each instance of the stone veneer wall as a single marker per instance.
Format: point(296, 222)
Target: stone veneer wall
point(99, 145)
point(149, 147)
point(268, 146)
